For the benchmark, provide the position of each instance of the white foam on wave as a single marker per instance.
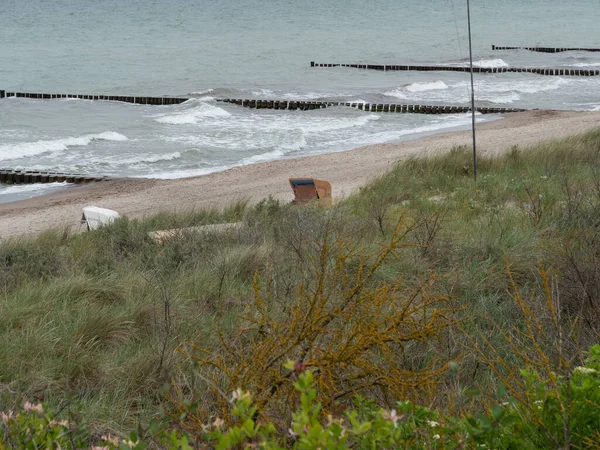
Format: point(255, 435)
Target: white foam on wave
point(263, 93)
point(145, 159)
point(403, 92)
point(283, 150)
point(268, 156)
point(293, 95)
point(310, 95)
point(185, 173)
point(583, 64)
point(282, 136)
point(287, 130)
point(426, 86)
point(298, 144)
point(193, 115)
point(11, 133)
point(502, 99)
point(398, 93)
point(30, 188)
point(454, 121)
point(158, 158)
point(204, 92)
point(25, 149)
point(526, 87)
point(493, 91)
point(332, 124)
point(490, 63)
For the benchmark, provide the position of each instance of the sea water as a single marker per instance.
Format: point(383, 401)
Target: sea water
point(208, 49)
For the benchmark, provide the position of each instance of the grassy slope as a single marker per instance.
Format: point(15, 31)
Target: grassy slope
point(83, 316)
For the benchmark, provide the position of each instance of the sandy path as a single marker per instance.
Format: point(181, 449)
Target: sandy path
point(346, 171)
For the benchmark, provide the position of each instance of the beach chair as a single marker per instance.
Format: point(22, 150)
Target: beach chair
point(309, 189)
point(94, 217)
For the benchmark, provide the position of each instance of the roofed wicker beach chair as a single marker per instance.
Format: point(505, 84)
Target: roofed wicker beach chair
point(309, 189)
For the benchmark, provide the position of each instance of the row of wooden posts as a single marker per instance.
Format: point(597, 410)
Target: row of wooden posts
point(375, 107)
point(277, 104)
point(548, 49)
point(534, 70)
point(11, 176)
point(115, 98)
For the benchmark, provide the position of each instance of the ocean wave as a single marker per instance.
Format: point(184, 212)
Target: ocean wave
point(284, 150)
point(268, 156)
point(496, 91)
point(490, 63)
point(404, 92)
point(30, 188)
point(509, 92)
point(297, 96)
point(426, 86)
point(141, 159)
point(186, 173)
point(158, 158)
point(11, 133)
point(597, 64)
point(25, 149)
point(529, 87)
point(193, 115)
point(298, 144)
point(264, 93)
point(501, 99)
point(444, 123)
point(310, 95)
point(453, 121)
point(204, 92)
point(337, 124)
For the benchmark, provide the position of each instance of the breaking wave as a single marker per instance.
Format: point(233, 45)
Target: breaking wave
point(141, 159)
point(24, 149)
point(193, 115)
point(425, 86)
point(30, 188)
point(490, 63)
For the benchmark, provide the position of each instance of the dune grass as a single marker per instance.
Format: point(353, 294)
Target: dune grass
point(95, 319)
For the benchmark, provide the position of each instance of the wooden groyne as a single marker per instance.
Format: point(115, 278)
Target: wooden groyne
point(547, 49)
point(113, 98)
point(374, 107)
point(13, 176)
point(534, 70)
point(274, 104)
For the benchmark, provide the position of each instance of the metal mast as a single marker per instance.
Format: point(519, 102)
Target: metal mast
point(472, 93)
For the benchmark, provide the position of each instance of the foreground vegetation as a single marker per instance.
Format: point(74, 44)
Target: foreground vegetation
point(421, 289)
point(510, 424)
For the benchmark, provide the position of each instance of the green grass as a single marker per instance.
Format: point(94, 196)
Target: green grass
point(95, 319)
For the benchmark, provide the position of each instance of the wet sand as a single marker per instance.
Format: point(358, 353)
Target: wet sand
point(345, 170)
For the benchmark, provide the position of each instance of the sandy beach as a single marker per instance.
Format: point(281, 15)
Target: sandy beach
point(345, 170)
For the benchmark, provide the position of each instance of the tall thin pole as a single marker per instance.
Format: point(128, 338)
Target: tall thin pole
point(472, 93)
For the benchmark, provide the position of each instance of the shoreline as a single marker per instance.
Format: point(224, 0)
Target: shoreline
point(347, 171)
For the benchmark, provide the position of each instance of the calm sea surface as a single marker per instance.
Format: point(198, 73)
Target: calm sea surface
point(209, 49)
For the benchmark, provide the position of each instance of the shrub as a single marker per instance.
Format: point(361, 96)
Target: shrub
point(349, 327)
